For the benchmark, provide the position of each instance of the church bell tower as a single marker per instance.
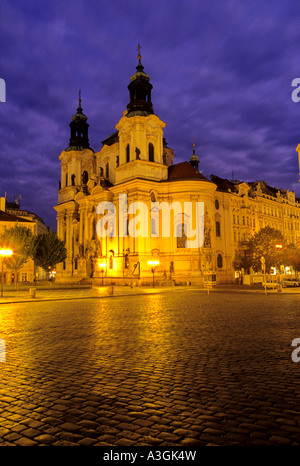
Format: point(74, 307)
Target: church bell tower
point(140, 133)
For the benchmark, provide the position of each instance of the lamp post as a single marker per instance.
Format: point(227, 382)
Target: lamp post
point(102, 266)
point(153, 265)
point(263, 266)
point(4, 253)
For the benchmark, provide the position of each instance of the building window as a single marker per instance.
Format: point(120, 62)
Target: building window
point(107, 170)
point(85, 177)
point(127, 153)
point(111, 261)
point(218, 229)
point(233, 219)
point(153, 227)
point(66, 179)
point(219, 261)
point(217, 205)
point(181, 236)
point(24, 277)
point(151, 152)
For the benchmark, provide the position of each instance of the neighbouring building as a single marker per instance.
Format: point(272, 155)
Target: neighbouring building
point(10, 216)
point(135, 161)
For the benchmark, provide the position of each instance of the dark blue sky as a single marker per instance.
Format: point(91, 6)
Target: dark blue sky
point(221, 72)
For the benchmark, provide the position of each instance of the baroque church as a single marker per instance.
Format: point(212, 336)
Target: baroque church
point(136, 162)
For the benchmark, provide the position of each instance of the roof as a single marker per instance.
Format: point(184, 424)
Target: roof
point(5, 217)
point(111, 139)
point(224, 184)
point(184, 171)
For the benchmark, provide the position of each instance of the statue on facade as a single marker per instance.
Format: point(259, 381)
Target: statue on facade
point(207, 232)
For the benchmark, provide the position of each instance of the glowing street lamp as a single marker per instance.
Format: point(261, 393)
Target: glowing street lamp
point(102, 266)
point(153, 265)
point(4, 253)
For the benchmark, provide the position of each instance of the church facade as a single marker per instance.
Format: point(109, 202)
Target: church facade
point(108, 240)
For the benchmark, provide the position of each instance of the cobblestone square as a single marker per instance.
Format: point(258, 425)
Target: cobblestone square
point(180, 368)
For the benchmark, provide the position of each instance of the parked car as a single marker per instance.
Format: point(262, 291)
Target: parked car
point(291, 282)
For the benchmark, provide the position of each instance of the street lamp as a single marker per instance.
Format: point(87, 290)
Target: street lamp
point(153, 265)
point(263, 266)
point(102, 266)
point(4, 253)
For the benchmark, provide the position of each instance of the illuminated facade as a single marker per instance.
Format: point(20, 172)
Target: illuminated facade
point(136, 162)
point(7, 221)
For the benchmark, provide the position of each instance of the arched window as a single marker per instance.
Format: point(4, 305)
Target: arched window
point(85, 177)
point(111, 261)
point(181, 236)
point(107, 170)
point(151, 152)
point(153, 227)
point(127, 153)
point(219, 261)
point(218, 229)
point(67, 179)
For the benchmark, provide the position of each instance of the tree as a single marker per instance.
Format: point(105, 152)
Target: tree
point(49, 251)
point(268, 243)
point(21, 241)
point(291, 256)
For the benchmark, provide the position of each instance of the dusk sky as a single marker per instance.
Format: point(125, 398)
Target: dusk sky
point(221, 72)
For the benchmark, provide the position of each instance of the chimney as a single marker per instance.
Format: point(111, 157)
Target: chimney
point(2, 203)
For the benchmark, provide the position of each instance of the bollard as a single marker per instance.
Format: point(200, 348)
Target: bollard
point(32, 292)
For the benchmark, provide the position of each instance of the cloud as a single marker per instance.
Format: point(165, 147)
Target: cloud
point(221, 72)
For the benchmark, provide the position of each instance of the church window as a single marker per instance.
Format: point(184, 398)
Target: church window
point(217, 205)
point(107, 170)
point(153, 226)
point(66, 179)
point(85, 177)
point(127, 153)
point(181, 236)
point(151, 152)
point(218, 229)
point(219, 261)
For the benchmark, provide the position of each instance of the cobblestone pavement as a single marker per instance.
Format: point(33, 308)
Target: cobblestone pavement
point(160, 369)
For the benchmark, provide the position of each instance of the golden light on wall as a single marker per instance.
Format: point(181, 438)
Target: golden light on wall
point(4, 253)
